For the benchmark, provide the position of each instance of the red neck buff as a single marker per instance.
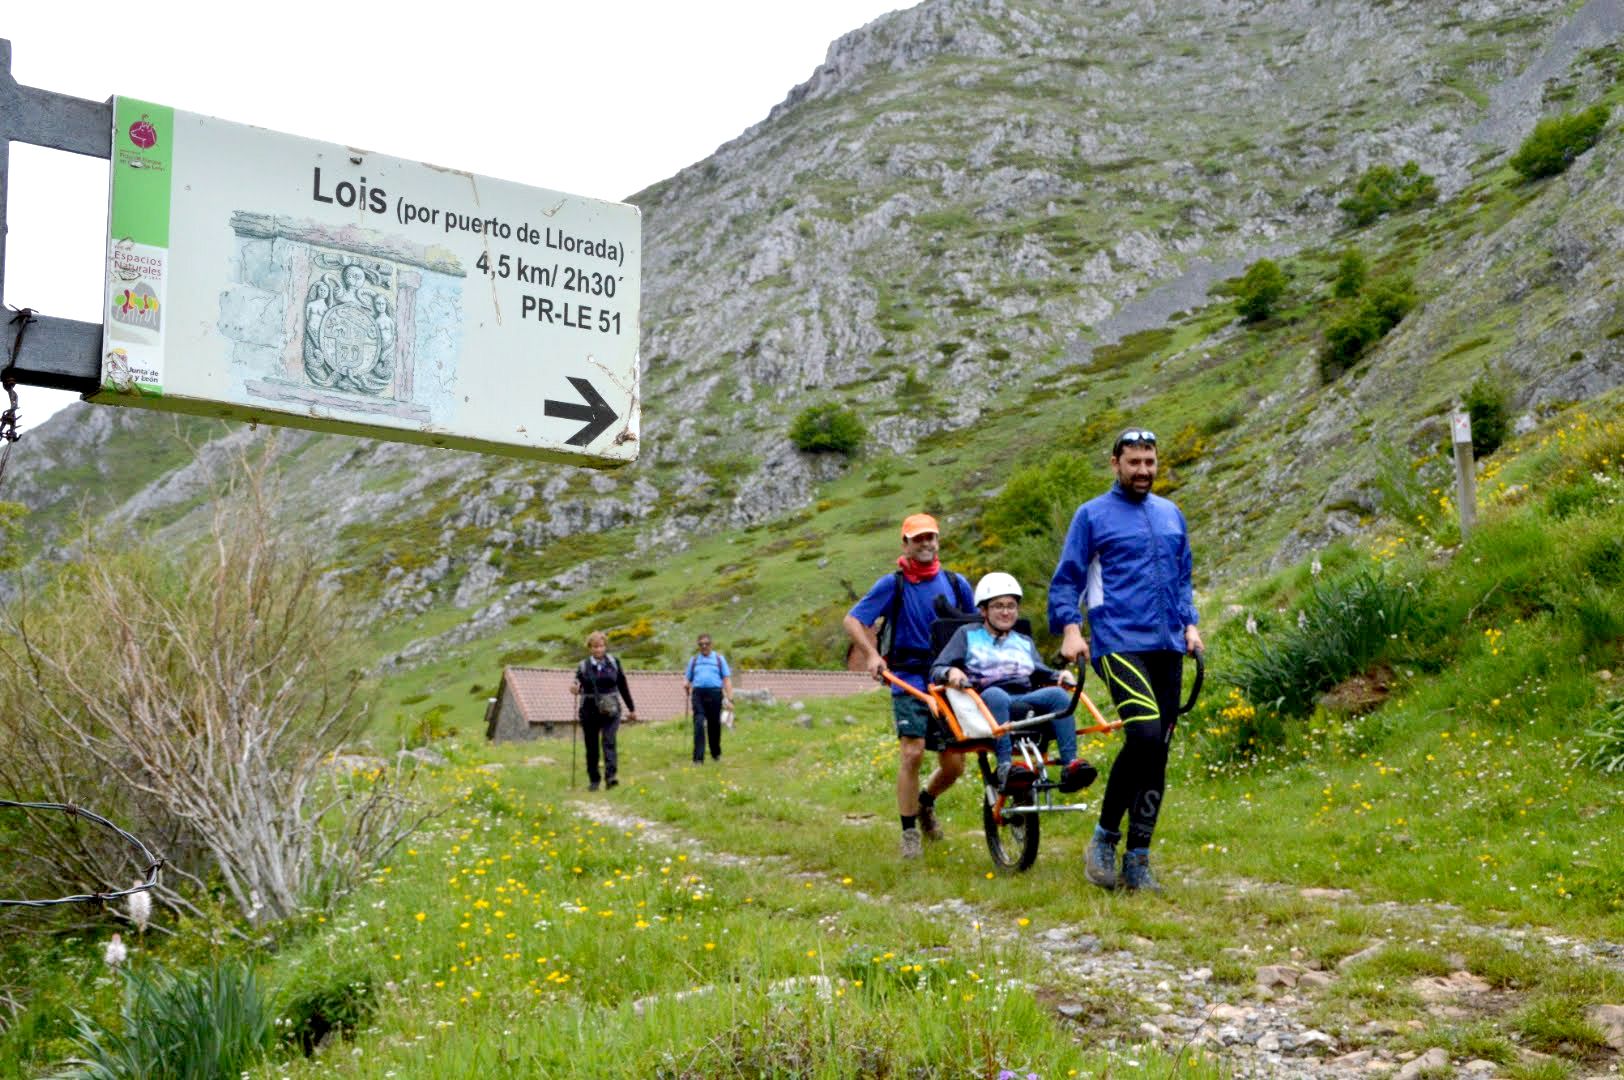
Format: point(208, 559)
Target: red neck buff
point(917, 572)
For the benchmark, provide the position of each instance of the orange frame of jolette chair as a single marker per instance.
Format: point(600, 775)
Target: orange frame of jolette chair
point(941, 710)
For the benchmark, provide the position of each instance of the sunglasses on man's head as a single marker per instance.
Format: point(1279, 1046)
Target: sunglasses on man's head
point(1135, 436)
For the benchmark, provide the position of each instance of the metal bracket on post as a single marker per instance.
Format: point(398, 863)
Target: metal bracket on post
point(64, 354)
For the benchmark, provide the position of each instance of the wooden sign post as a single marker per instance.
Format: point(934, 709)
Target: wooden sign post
point(1460, 427)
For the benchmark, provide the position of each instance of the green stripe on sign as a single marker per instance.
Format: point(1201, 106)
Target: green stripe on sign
point(143, 150)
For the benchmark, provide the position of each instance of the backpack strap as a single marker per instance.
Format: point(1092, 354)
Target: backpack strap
point(888, 632)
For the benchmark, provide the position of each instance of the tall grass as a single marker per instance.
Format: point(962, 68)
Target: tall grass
point(1341, 628)
point(187, 1026)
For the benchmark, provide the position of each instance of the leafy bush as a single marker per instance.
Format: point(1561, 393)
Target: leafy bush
point(201, 691)
point(1342, 628)
point(1261, 287)
point(1381, 190)
point(340, 1005)
point(1351, 271)
point(1489, 406)
point(827, 428)
point(1031, 495)
point(1381, 306)
point(1556, 142)
point(189, 1026)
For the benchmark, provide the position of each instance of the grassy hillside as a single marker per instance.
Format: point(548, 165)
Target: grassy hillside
point(1432, 862)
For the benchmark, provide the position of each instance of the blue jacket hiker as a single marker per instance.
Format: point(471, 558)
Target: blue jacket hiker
point(1127, 561)
point(906, 601)
point(708, 680)
point(1002, 665)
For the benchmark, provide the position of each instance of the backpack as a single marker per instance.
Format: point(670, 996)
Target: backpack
point(915, 661)
point(715, 658)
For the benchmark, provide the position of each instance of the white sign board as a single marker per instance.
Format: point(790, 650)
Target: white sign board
point(269, 278)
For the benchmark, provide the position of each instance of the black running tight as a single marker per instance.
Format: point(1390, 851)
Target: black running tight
point(1145, 688)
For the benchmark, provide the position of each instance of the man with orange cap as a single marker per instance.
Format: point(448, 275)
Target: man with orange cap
point(906, 599)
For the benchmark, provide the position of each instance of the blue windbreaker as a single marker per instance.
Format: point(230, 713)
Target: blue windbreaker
point(1128, 559)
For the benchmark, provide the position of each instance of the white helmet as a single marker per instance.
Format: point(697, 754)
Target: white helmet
point(996, 584)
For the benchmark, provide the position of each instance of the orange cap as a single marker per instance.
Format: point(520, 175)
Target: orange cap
point(914, 524)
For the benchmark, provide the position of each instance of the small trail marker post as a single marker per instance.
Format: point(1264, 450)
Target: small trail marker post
point(1460, 428)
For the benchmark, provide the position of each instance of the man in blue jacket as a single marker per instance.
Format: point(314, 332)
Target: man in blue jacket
point(1127, 557)
point(906, 599)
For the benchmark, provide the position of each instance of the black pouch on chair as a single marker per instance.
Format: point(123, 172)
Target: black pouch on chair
point(607, 705)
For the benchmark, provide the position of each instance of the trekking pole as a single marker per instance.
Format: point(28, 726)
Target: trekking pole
point(573, 728)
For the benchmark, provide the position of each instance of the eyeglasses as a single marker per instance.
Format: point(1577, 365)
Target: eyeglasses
point(1136, 435)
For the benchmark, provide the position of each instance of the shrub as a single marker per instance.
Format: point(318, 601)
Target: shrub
point(189, 1026)
point(827, 428)
point(1261, 287)
point(1346, 339)
point(1489, 406)
point(208, 689)
point(1342, 628)
point(1030, 497)
point(1351, 272)
point(342, 1004)
point(1381, 306)
point(1556, 142)
point(1389, 299)
point(1381, 190)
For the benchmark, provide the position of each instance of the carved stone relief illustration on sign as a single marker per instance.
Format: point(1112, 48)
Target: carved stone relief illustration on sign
point(343, 319)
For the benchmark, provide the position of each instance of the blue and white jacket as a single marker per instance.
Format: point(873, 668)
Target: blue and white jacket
point(1128, 559)
point(1008, 660)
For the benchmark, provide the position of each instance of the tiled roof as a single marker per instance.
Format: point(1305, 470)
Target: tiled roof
point(543, 696)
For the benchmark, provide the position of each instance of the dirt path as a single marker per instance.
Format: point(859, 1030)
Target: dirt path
point(1263, 1030)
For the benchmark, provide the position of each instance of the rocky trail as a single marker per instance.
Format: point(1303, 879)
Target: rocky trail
point(1126, 998)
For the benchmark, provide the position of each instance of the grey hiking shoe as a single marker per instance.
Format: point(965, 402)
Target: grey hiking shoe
point(1136, 875)
point(1100, 862)
point(928, 825)
point(912, 846)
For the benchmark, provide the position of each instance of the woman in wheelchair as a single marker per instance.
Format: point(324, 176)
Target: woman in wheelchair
point(1001, 664)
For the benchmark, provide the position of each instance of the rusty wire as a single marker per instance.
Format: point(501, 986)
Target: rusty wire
point(153, 862)
point(22, 319)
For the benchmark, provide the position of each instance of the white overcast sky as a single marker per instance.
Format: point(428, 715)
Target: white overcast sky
point(599, 97)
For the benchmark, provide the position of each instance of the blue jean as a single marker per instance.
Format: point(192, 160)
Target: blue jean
point(1005, 706)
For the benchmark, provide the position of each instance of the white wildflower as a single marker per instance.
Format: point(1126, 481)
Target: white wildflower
point(115, 953)
point(1315, 567)
point(141, 908)
point(1251, 624)
point(1302, 620)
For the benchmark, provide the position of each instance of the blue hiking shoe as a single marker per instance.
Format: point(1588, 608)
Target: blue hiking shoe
point(1136, 875)
point(1100, 862)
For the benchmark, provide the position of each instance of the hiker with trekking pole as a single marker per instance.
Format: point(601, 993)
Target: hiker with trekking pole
point(1127, 557)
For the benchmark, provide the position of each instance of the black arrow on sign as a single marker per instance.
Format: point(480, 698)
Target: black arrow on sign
point(596, 412)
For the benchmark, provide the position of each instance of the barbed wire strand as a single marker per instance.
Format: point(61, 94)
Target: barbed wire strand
point(22, 318)
point(153, 862)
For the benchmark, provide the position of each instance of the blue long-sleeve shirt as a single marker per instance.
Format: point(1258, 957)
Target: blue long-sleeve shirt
point(1127, 562)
